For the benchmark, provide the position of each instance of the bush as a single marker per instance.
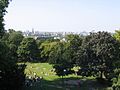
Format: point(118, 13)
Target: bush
point(116, 83)
point(12, 78)
point(62, 70)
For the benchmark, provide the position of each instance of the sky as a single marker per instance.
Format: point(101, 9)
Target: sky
point(63, 15)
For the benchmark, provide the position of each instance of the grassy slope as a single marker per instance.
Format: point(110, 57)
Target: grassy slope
point(52, 82)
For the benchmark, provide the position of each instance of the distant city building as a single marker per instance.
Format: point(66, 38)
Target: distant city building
point(54, 35)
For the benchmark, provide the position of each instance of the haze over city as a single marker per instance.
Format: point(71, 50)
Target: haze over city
point(63, 15)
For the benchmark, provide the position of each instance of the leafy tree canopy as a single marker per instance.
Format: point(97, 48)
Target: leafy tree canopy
point(117, 35)
point(3, 6)
point(99, 55)
point(46, 48)
point(28, 50)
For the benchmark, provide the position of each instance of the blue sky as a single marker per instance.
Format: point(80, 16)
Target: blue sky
point(63, 15)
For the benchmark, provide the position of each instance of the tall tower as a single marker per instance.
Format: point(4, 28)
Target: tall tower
point(33, 32)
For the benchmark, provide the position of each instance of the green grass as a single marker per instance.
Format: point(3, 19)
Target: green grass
point(41, 69)
point(51, 81)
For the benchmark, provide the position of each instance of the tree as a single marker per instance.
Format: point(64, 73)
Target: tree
point(60, 59)
point(12, 76)
point(28, 50)
point(46, 48)
point(13, 39)
point(99, 55)
point(116, 81)
point(55, 56)
point(73, 42)
point(117, 35)
point(3, 6)
point(62, 54)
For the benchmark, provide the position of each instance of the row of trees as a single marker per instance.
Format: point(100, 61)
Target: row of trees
point(97, 54)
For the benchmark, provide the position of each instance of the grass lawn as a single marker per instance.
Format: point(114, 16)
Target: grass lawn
point(51, 81)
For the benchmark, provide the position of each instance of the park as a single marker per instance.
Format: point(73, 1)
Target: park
point(50, 81)
point(58, 60)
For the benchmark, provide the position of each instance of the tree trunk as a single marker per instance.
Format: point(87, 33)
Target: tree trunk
point(101, 74)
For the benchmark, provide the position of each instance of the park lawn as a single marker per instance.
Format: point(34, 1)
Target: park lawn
point(51, 81)
point(41, 69)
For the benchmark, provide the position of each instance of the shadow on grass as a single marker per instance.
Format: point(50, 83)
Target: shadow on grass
point(68, 83)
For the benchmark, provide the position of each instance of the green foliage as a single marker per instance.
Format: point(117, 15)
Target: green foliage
point(59, 58)
point(99, 55)
point(3, 6)
point(55, 56)
point(117, 35)
point(116, 83)
point(28, 50)
point(13, 39)
point(73, 42)
point(46, 48)
point(62, 70)
point(4, 54)
point(12, 75)
point(62, 54)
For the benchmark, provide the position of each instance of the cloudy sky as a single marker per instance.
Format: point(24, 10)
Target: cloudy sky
point(63, 15)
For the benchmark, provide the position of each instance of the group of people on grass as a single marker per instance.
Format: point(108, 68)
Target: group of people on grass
point(30, 80)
